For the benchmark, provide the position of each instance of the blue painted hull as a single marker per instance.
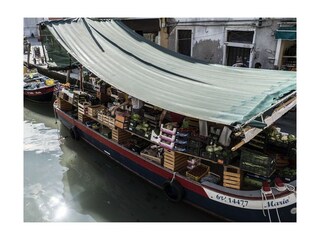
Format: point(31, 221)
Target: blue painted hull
point(193, 194)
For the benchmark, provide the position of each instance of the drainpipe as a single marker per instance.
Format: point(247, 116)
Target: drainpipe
point(163, 33)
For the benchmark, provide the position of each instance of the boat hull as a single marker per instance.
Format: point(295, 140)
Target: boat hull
point(40, 94)
point(219, 201)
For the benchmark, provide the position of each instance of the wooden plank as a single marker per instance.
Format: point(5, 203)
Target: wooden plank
point(153, 158)
point(231, 186)
point(231, 178)
point(231, 174)
point(173, 154)
point(176, 164)
point(173, 162)
point(276, 114)
point(232, 181)
point(282, 105)
point(175, 159)
point(238, 145)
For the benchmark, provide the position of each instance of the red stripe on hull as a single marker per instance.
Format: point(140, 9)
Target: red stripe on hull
point(156, 169)
point(39, 91)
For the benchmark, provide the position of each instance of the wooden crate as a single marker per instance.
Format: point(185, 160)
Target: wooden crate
point(193, 122)
point(64, 105)
point(83, 107)
point(122, 125)
point(71, 100)
point(108, 121)
point(78, 96)
point(101, 114)
point(83, 118)
point(174, 161)
point(232, 177)
point(93, 110)
point(198, 172)
point(122, 117)
point(155, 159)
point(120, 135)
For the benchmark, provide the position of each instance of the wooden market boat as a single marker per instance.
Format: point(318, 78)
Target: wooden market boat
point(38, 87)
point(205, 134)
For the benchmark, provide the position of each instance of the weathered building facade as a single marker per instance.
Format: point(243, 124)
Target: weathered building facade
point(226, 41)
point(30, 28)
point(251, 42)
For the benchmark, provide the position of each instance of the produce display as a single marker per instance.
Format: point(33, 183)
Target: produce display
point(256, 162)
point(148, 134)
point(276, 136)
point(288, 174)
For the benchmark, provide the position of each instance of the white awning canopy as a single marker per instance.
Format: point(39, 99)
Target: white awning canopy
point(166, 79)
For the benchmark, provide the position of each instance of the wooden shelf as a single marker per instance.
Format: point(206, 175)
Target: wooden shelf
point(132, 133)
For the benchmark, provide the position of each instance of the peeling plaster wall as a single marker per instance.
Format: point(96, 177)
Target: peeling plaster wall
point(265, 47)
point(208, 41)
point(207, 44)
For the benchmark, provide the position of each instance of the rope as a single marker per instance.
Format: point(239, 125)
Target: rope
point(290, 188)
point(263, 198)
point(173, 177)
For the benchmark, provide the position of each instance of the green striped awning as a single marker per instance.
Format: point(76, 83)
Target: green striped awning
point(286, 33)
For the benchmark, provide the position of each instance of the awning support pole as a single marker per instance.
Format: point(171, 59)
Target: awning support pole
point(80, 76)
point(29, 48)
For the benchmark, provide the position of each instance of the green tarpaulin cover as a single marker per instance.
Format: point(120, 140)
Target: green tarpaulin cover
point(166, 79)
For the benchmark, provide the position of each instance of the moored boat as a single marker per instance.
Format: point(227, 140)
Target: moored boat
point(38, 87)
point(264, 203)
point(205, 134)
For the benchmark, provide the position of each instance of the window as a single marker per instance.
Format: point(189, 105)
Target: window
point(240, 36)
point(184, 42)
point(238, 47)
point(238, 55)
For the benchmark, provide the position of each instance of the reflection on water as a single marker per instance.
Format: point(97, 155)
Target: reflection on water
point(68, 180)
point(43, 174)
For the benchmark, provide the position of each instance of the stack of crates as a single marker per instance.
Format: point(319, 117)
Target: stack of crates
point(83, 107)
point(257, 162)
point(232, 177)
point(93, 110)
point(120, 136)
point(78, 96)
point(83, 118)
point(175, 161)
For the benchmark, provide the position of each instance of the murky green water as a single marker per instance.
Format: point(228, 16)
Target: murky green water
point(67, 180)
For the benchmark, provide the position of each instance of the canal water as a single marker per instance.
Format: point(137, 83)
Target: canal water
point(70, 181)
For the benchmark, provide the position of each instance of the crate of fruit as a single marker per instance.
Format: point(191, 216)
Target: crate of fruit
point(256, 158)
point(198, 172)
